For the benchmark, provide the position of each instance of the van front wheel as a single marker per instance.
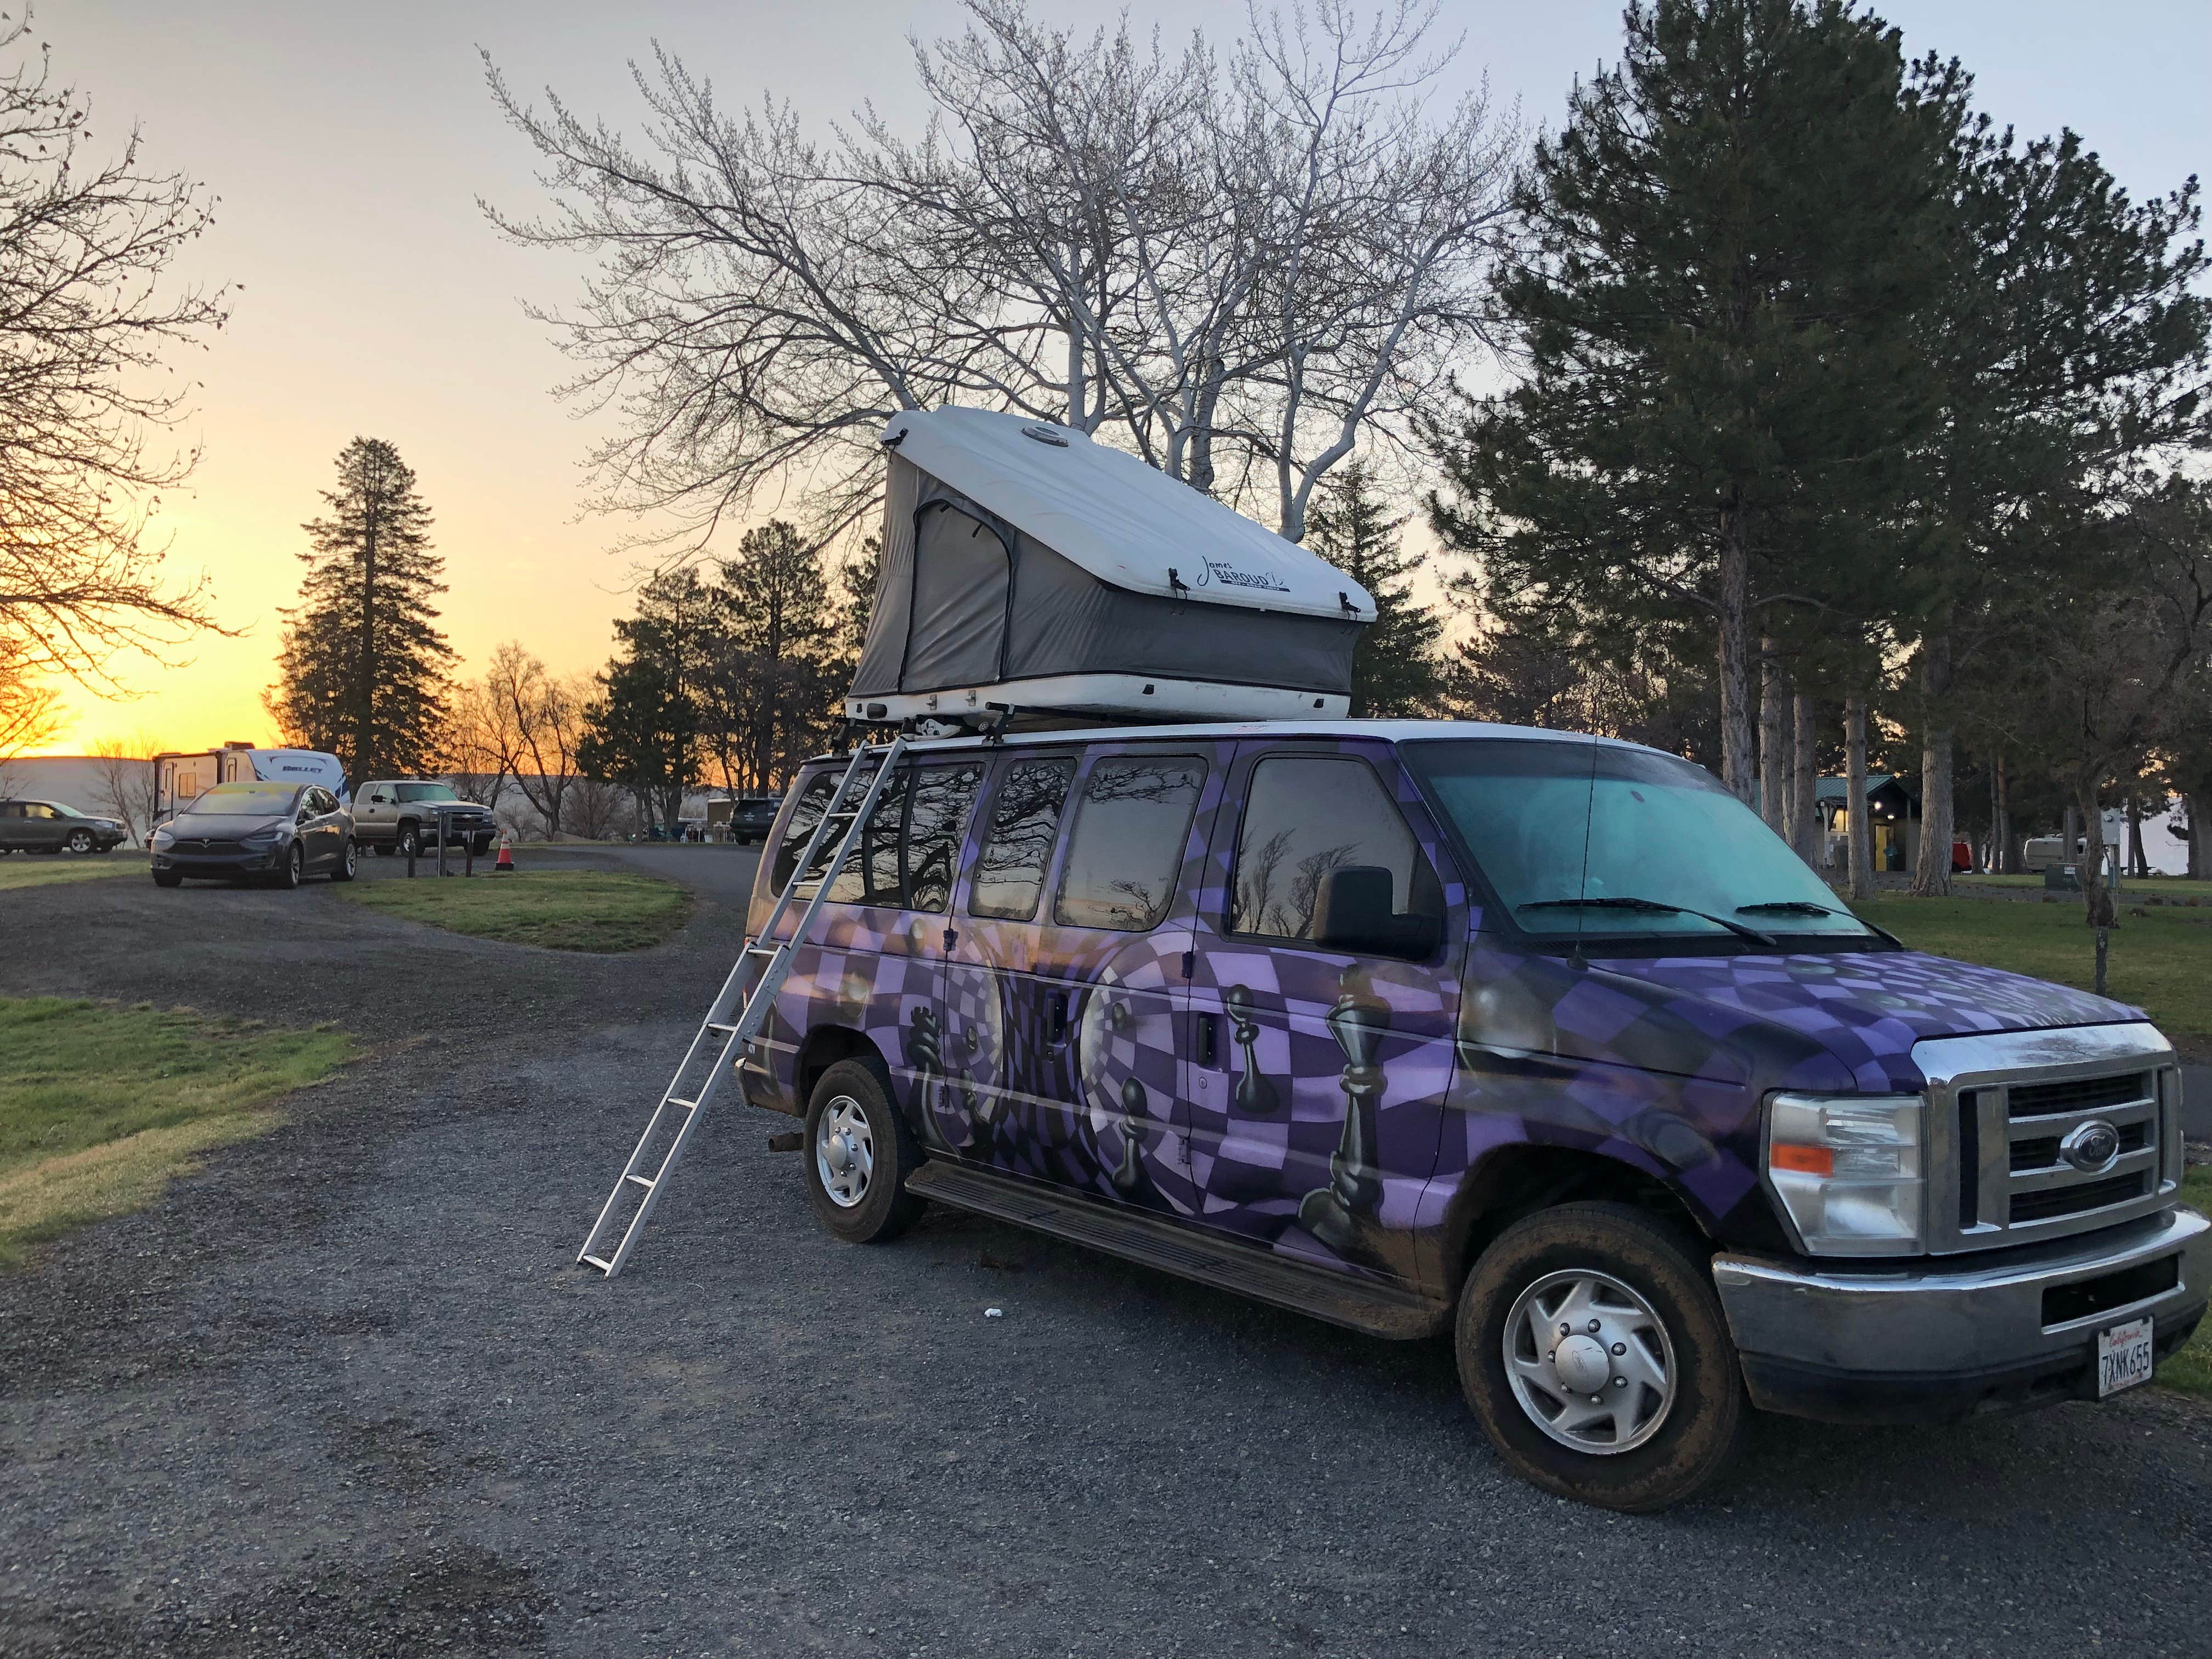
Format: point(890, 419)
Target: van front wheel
point(859, 1153)
point(1593, 1348)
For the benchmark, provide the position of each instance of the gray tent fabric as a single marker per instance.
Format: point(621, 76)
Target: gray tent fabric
point(964, 574)
point(966, 600)
point(883, 652)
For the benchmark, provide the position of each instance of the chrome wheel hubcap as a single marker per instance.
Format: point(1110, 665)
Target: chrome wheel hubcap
point(844, 1151)
point(1590, 1364)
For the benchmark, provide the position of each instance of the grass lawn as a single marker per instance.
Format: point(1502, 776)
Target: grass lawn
point(561, 909)
point(2191, 1370)
point(2161, 960)
point(39, 870)
point(2171, 887)
point(100, 1106)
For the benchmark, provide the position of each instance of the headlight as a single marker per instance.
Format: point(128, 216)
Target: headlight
point(1847, 1169)
point(262, 840)
point(162, 838)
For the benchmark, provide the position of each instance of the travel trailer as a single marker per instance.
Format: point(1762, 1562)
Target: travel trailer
point(182, 776)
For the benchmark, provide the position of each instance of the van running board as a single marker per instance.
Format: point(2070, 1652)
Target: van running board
point(1361, 1304)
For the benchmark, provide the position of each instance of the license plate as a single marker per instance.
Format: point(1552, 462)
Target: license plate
point(2123, 1357)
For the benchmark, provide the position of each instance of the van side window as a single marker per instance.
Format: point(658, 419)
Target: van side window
point(944, 796)
point(1128, 844)
point(871, 875)
point(1024, 818)
point(814, 801)
point(1305, 816)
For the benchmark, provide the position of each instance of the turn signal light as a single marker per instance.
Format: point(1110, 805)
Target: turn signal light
point(1804, 1160)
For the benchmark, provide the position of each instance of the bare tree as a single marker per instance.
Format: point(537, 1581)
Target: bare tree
point(596, 810)
point(30, 711)
point(483, 746)
point(86, 318)
point(1238, 273)
point(129, 781)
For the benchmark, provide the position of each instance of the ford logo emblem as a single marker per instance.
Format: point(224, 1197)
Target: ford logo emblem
point(2091, 1147)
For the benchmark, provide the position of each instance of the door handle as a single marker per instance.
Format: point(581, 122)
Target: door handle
point(1209, 1039)
point(1057, 1010)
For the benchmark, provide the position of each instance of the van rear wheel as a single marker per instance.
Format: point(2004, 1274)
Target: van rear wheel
point(859, 1153)
point(1593, 1348)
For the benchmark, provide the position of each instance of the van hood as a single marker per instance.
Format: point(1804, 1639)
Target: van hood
point(1860, 1011)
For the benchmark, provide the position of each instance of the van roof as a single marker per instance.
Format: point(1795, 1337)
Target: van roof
point(1391, 731)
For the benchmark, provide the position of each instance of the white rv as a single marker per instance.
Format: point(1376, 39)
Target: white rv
point(179, 777)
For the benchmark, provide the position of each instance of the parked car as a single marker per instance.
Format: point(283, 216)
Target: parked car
point(400, 815)
point(52, 826)
point(1546, 1041)
point(752, 817)
point(281, 833)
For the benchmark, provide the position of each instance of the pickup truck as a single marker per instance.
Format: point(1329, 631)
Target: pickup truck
point(400, 815)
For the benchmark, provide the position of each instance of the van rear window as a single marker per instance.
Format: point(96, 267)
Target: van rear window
point(1128, 845)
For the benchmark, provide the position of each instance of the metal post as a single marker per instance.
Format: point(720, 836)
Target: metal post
point(441, 843)
point(469, 856)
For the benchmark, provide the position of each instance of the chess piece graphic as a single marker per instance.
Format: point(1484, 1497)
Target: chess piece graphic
point(1132, 1172)
point(1255, 1096)
point(924, 1047)
point(1340, 1213)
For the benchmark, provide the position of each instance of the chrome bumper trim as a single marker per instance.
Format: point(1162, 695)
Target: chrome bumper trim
point(1949, 1316)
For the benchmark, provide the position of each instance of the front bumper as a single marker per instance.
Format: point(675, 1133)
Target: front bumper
point(1956, 1338)
point(222, 864)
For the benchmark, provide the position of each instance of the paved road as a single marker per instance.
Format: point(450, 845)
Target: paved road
point(344, 1393)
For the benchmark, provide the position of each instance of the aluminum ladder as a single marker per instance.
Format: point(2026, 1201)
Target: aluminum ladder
point(739, 1014)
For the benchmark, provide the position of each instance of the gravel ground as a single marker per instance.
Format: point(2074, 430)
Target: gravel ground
point(344, 1394)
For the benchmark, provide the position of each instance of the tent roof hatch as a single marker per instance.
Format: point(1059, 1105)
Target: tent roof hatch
point(1127, 524)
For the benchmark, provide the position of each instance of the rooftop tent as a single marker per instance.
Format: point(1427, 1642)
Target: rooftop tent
point(1024, 565)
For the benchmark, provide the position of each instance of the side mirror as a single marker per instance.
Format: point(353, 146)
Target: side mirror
point(1352, 913)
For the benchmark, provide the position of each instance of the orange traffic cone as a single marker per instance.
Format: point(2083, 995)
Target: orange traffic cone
point(506, 857)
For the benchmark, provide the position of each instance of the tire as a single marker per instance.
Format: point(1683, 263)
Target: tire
point(1681, 1437)
point(407, 843)
point(80, 841)
point(167, 879)
point(481, 846)
point(384, 849)
point(853, 1102)
point(295, 868)
point(348, 855)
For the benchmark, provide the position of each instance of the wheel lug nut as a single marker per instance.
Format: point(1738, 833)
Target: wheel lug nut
point(1620, 1347)
point(1619, 1382)
point(1564, 1330)
point(1595, 1328)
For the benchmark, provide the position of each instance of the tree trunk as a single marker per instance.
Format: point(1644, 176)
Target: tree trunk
point(2138, 863)
point(1932, 880)
point(2096, 898)
point(2200, 854)
point(1735, 645)
point(1773, 769)
point(1804, 787)
point(2069, 836)
point(2003, 859)
point(1859, 832)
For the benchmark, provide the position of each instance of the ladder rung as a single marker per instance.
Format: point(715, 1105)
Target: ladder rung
point(639, 1179)
point(687, 1105)
point(762, 950)
point(603, 1266)
point(726, 1031)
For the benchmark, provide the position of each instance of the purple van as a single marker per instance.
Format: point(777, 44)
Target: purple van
point(1543, 1040)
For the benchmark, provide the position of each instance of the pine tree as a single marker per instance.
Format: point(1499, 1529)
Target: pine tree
point(1395, 666)
point(362, 672)
point(781, 655)
point(1731, 240)
point(644, 731)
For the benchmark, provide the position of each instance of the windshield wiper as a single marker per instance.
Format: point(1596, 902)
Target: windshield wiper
point(1807, 907)
point(1652, 907)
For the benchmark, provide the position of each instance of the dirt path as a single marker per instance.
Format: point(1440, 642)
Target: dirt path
point(345, 1394)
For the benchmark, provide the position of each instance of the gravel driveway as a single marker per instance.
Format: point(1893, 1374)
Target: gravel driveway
point(344, 1394)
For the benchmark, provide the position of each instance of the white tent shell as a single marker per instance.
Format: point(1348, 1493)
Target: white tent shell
point(1027, 566)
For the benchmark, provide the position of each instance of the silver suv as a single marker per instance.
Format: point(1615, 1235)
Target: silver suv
point(400, 815)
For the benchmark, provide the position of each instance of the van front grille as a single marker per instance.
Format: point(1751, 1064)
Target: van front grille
point(2015, 1117)
point(2078, 1095)
point(2053, 1202)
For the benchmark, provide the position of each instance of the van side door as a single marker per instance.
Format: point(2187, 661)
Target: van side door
point(1318, 1074)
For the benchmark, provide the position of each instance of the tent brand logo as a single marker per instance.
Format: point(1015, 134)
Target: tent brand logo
point(1208, 569)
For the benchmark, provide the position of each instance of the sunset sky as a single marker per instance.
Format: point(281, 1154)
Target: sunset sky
point(349, 145)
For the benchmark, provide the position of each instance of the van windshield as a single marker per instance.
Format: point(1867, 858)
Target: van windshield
point(1597, 840)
